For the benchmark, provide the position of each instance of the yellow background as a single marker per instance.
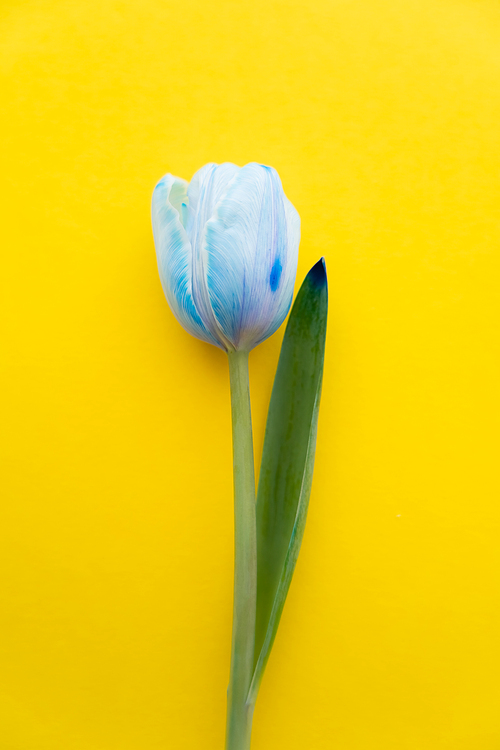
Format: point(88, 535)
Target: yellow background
point(382, 118)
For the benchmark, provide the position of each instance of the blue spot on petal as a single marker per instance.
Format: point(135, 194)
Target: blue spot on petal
point(275, 276)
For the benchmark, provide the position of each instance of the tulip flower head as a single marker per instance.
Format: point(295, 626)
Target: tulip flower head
point(227, 247)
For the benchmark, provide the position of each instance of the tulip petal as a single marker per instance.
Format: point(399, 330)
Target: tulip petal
point(251, 247)
point(205, 191)
point(274, 280)
point(174, 254)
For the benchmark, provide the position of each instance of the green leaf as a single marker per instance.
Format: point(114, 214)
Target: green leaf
point(288, 459)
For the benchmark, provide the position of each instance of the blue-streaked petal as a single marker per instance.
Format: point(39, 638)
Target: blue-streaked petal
point(174, 254)
point(205, 191)
point(251, 259)
point(283, 301)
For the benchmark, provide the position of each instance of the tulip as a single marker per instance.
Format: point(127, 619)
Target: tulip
point(227, 247)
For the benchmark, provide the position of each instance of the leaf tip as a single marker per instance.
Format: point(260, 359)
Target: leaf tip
point(317, 274)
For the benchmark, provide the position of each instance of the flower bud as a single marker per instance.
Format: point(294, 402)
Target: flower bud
point(227, 247)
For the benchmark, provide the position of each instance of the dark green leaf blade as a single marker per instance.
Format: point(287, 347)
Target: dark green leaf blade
point(288, 458)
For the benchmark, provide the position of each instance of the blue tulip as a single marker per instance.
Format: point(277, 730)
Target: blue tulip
point(227, 246)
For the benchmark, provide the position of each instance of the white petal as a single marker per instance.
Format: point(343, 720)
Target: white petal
point(174, 254)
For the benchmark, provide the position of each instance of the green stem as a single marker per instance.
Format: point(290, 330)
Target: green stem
point(239, 712)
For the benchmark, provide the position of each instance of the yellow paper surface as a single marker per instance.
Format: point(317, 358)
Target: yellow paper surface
point(382, 118)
